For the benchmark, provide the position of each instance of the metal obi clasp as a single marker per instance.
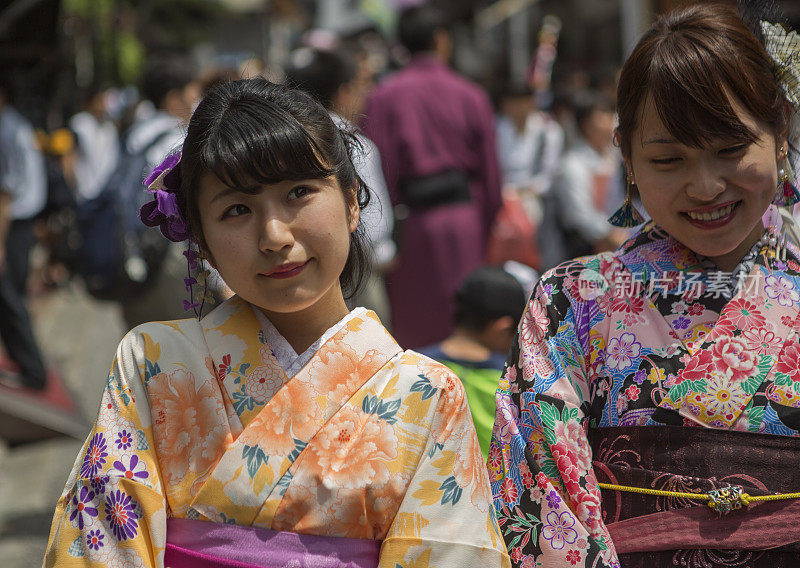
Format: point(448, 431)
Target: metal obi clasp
point(727, 499)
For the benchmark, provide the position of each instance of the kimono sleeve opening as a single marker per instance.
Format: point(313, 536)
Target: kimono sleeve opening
point(112, 512)
point(540, 462)
point(446, 518)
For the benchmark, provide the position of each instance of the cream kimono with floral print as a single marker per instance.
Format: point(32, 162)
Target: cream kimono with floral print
point(199, 421)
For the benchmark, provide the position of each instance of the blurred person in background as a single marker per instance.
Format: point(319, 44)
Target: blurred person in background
point(488, 305)
point(340, 83)
point(23, 194)
point(578, 206)
point(169, 84)
point(529, 145)
point(97, 146)
point(435, 133)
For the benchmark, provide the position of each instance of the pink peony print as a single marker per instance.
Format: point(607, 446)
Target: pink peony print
point(353, 450)
point(189, 424)
point(697, 368)
point(731, 355)
point(789, 361)
point(572, 442)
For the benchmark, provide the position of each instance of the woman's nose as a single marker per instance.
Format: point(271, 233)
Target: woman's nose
point(276, 234)
point(707, 182)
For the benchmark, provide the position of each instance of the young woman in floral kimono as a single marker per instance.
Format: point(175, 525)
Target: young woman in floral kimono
point(216, 443)
point(670, 368)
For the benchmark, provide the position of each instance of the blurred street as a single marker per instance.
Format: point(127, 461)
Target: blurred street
point(78, 336)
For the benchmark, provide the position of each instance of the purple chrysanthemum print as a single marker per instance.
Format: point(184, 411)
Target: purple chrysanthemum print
point(134, 469)
point(124, 440)
point(553, 499)
point(99, 484)
point(94, 540)
point(95, 456)
point(639, 377)
point(83, 509)
point(681, 323)
point(121, 514)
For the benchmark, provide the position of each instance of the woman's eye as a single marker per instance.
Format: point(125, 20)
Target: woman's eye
point(735, 149)
point(664, 161)
point(299, 191)
point(235, 211)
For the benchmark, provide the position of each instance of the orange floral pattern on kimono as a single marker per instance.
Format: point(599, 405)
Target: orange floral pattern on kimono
point(199, 421)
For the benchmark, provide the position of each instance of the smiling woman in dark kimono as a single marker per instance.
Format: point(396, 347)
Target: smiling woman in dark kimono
point(646, 380)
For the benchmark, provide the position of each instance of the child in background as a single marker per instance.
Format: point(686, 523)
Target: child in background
point(489, 303)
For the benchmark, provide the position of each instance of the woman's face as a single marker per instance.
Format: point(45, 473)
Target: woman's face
point(283, 248)
point(711, 199)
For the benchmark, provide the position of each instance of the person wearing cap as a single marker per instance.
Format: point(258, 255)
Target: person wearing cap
point(488, 304)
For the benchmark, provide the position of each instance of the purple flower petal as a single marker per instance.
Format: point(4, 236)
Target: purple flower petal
point(168, 164)
point(168, 203)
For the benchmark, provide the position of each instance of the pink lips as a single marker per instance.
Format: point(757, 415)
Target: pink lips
point(716, 223)
point(286, 270)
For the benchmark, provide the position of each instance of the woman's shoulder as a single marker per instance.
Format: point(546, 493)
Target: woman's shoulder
point(164, 335)
point(417, 370)
point(586, 271)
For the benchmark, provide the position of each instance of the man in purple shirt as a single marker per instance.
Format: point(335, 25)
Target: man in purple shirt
point(435, 133)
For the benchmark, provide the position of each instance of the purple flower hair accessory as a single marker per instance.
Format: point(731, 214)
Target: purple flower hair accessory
point(163, 211)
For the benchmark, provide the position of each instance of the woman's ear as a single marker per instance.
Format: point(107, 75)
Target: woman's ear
point(354, 211)
point(206, 255)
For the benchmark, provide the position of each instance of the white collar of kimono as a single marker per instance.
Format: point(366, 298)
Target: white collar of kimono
point(284, 353)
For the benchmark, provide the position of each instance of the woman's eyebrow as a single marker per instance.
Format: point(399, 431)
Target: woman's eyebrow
point(660, 141)
point(229, 190)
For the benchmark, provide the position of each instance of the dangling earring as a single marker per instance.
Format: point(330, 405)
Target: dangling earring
point(787, 193)
point(627, 216)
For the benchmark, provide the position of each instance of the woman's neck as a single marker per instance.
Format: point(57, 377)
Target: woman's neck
point(727, 262)
point(302, 328)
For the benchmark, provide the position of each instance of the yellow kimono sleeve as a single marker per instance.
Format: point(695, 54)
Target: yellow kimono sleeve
point(112, 512)
point(446, 518)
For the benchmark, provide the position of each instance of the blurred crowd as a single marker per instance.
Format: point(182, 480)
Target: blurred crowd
point(475, 190)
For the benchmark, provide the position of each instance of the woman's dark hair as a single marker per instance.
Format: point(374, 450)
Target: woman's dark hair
point(691, 65)
point(253, 131)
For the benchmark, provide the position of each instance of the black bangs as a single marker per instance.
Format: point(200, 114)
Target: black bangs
point(256, 143)
point(693, 100)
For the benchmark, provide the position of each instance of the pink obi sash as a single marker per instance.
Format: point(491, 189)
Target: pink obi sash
point(201, 544)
